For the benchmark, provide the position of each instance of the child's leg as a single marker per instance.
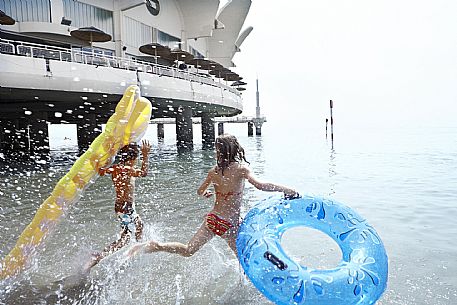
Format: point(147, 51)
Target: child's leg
point(139, 228)
point(201, 237)
point(113, 247)
point(230, 237)
point(117, 245)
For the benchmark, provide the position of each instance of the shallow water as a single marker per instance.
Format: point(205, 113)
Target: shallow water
point(403, 181)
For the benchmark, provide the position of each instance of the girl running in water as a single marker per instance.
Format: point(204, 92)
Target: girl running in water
point(227, 178)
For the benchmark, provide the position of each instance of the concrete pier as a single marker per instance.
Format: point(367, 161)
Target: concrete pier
point(39, 134)
point(15, 138)
point(250, 129)
point(208, 131)
point(220, 128)
point(160, 132)
point(184, 132)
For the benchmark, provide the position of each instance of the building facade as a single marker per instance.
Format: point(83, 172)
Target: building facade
point(50, 76)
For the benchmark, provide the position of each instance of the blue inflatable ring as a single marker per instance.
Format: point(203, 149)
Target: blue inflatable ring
point(360, 278)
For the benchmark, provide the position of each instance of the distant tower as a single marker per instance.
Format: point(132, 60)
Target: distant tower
point(258, 121)
point(257, 108)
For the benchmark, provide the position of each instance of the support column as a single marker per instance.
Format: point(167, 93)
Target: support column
point(258, 130)
point(39, 134)
point(20, 138)
point(87, 131)
point(208, 131)
point(184, 133)
point(220, 128)
point(160, 132)
point(15, 138)
point(258, 126)
point(6, 142)
point(250, 129)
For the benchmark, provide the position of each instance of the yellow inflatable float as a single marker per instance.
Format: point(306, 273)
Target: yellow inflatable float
point(127, 124)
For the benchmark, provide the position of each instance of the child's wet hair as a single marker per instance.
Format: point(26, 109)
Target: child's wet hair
point(228, 150)
point(129, 152)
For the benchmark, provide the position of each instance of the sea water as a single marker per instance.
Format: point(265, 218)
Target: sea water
point(403, 181)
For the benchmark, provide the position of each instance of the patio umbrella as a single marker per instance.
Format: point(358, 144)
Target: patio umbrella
point(204, 64)
point(91, 34)
point(197, 62)
point(239, 83)
point(156, 49)
point(220, 72)
point(212, 65)
point(5, 19)
point(181, 55)
point(231, 77)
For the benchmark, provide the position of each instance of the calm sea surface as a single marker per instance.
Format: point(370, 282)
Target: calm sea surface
point(404, 181)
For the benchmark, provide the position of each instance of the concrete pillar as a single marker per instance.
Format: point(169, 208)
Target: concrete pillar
point(15, 139)
point(20, 138)
point(250, 129)
point(258, 126)
point(87, 131)
point(184, 133)
point(258, 130)
point(220, 128)
point(6, 137)
point(160, 132)
point(39, 134)
point(208, 131)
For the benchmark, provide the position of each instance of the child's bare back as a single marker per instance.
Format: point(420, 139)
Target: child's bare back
point(227, 179)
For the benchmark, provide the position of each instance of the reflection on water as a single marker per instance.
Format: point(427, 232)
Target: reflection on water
point(332, 171)
point(404, 184)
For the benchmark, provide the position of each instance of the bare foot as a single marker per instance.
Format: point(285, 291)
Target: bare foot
point(94, 260)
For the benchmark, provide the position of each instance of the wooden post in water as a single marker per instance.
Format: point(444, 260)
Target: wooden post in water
point(331, 121)
point(326, 124)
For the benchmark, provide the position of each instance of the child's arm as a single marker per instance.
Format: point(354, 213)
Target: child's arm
point(103, 170)
point(266, 186)
point(203, 189)
point(145, 148)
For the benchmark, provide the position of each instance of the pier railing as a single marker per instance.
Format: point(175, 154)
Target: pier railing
point(20, 48)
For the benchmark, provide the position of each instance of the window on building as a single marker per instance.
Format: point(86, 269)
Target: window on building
point(136, 33)
point(168, 40)
point(195, 53)
point(27, 10)
point(83, 15)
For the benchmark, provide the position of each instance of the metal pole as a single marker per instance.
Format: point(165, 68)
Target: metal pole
point(331, 121)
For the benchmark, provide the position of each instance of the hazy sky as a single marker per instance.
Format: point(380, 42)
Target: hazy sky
point(383, 62)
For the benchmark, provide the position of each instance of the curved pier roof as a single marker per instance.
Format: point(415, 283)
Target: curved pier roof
point(222, 45)
point(198, 16)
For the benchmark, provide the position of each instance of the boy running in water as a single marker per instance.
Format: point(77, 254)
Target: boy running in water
point(123, 175)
